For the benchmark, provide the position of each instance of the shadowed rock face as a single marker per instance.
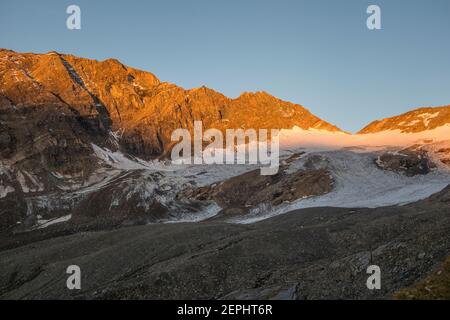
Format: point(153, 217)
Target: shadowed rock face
point(40, 144)
point(12, 209)
point(444, 155)
point(134, 197)
point(408, 162)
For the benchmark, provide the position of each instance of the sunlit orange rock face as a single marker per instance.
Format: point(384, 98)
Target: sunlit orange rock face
point(55, 95)
point(412, 122)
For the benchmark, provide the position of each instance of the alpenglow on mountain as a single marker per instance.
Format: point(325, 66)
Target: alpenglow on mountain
point(84, 175)
point(414, 121)
point(46, 95)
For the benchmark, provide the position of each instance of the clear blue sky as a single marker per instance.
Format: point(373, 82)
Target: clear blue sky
point(316, 53)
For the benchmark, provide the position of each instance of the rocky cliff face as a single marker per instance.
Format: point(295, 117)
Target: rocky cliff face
point(59, 114)
point(104, 96)
point(411, 122)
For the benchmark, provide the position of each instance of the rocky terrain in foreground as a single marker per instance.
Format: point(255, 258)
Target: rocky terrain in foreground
point(313, 253)
point(434, 286)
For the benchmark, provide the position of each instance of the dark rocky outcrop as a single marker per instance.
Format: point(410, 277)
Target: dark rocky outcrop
point(243, 192)
point(408, 162)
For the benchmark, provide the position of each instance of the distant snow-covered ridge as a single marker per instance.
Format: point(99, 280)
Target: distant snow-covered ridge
point(319, 139)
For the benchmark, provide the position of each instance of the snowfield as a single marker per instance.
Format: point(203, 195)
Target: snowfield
point(315, 139)
point(360, 183)
point(350, 159)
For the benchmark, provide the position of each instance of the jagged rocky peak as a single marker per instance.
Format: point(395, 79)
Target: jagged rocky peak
point(277, 113)
point(418, 120)
point(135, 103)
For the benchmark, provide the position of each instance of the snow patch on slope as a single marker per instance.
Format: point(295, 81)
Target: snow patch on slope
point(427, 117)
point(46, 223)
point(28, 182)
point(5, 190)
point(118, 160)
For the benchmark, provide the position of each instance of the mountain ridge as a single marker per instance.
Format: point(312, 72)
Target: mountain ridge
point(124, 95)
point(413, 121)
point(136, 102)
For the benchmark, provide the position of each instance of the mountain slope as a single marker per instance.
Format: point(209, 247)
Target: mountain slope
point(135, 104)
point(418, 120)
point(66, 121)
